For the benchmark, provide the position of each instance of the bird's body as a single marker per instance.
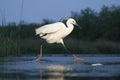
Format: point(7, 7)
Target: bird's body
point(55, 32)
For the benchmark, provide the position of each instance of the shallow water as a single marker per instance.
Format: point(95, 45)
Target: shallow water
point(60, 67)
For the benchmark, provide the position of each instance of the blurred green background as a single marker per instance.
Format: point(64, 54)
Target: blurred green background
point(100, 34)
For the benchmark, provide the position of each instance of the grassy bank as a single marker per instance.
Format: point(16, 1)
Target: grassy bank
point(73, 45)
point(32, 46)
point(9, 47)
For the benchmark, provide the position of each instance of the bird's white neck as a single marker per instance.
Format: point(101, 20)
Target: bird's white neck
point(70, 26)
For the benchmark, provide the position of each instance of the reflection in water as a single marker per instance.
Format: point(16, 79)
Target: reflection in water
point(41, 73)
point(54, 72)
point(60, 68)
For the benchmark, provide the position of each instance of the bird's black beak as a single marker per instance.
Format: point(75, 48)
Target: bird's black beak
point(78, 26)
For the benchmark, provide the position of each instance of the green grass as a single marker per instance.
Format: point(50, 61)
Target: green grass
point(10, 47)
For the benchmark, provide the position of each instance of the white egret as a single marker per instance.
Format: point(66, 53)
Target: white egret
point(55, 32)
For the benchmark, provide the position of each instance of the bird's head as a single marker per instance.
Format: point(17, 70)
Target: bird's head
point(72, 21)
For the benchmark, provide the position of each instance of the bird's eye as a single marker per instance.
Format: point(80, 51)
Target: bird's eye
point(73, 21)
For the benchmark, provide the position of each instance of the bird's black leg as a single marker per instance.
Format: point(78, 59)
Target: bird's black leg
point(74, 57)
point(66, 49)
point(40, 53)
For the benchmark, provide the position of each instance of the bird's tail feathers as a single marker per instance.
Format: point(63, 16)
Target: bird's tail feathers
point(36, 31)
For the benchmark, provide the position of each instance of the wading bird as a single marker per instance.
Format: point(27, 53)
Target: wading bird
point(55, 32)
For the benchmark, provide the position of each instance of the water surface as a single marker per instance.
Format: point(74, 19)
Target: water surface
point(60, 67)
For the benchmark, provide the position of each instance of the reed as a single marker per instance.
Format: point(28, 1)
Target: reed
point(29, 46)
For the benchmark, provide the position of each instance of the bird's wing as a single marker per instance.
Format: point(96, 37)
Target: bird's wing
point(50, 28)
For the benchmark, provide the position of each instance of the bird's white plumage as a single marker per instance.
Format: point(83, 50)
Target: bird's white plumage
point(50, 28)
point(55, 32)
